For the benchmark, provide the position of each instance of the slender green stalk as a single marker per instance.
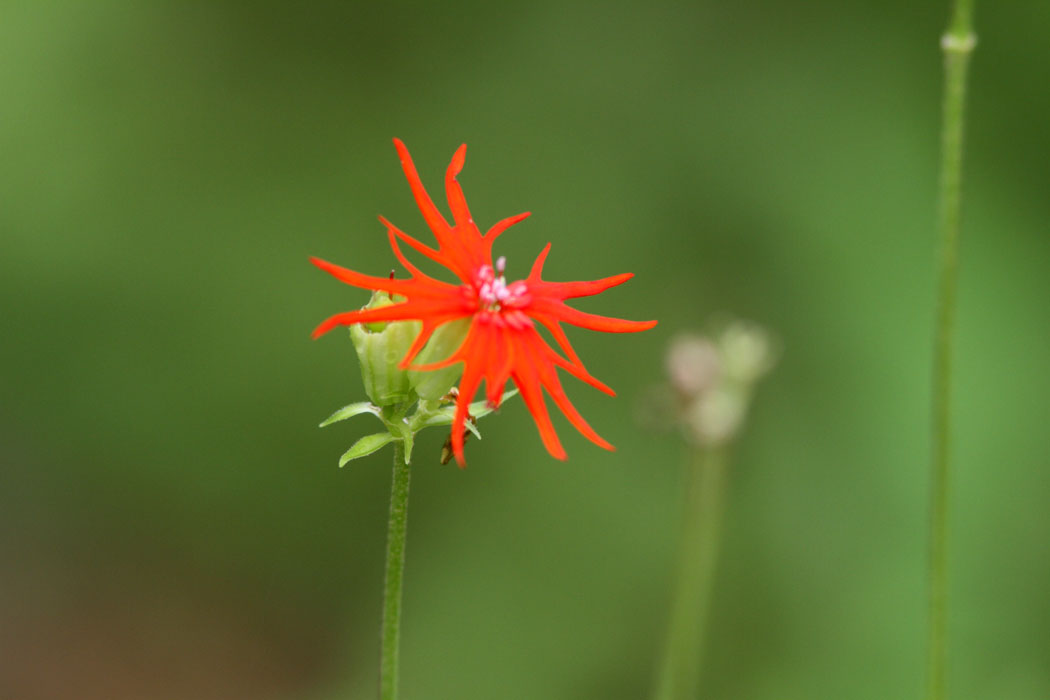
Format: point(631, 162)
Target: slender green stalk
point(958, 43)
point(395, 568)
point(684, 647)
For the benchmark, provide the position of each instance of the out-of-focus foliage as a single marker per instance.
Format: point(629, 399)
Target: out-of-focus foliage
point(172, 521)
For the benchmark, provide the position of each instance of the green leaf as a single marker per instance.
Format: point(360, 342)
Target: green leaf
point(366, 446)
point(350, 411)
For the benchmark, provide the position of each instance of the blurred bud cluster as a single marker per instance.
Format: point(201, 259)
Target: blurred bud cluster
point(711, 378)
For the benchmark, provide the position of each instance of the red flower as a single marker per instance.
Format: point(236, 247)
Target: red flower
point(502, 342)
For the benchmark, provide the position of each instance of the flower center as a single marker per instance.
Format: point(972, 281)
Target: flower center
point(493, 291)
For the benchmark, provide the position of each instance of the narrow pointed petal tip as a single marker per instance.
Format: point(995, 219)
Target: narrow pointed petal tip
point(458, 159)
point(321, 329)
point(537, 266)
point(501, 226)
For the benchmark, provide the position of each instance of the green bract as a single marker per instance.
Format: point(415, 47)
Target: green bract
point(403, 426)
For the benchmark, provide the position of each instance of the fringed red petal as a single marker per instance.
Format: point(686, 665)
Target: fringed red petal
point(592, 322)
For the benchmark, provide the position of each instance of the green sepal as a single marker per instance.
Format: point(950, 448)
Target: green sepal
point(350, 411)
point(366, 446)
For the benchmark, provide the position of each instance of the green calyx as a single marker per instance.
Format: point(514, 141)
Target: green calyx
point(435, 384)
point(381, 347)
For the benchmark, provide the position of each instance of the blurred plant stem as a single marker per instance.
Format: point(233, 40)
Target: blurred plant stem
point(958, 43)
point(697, 562)
point(395, 568)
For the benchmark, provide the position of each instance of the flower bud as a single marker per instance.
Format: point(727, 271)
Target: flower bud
point(693, 364)
point(748, 351)
point(715, 417)
point(381, 347)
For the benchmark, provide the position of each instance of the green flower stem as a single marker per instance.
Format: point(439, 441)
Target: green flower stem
point(958, 43)
point(698, 558)
point(395, 568)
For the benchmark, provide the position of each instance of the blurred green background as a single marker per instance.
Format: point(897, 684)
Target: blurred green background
point(172, 522)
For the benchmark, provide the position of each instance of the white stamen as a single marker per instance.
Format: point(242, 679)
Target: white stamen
point(493, 291)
